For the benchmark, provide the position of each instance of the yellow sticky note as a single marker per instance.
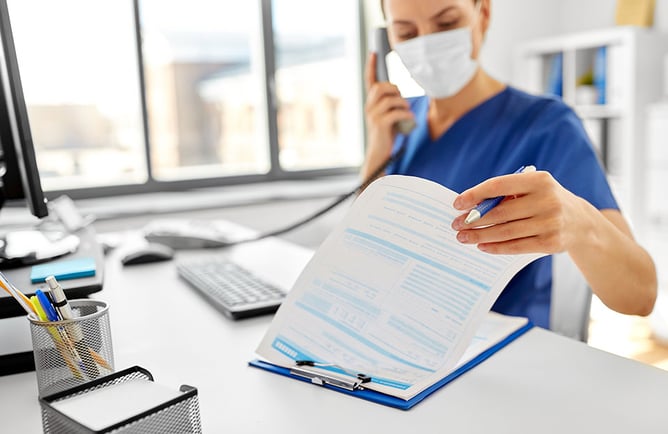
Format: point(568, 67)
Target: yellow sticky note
point(635, 13)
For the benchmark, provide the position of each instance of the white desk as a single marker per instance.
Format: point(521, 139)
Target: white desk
point(539, 383)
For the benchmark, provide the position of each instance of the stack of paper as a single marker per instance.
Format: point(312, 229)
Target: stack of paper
point(107, 406)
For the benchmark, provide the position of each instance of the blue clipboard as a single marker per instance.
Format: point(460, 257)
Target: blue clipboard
point(392, 401)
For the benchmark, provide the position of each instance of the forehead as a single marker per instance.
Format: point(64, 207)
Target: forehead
point(414, 9)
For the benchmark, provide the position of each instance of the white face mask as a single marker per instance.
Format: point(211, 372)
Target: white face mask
point(440, 62)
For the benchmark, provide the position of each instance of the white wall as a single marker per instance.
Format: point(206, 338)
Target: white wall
point(512, 22)
point(515, 21)
point(578, 15)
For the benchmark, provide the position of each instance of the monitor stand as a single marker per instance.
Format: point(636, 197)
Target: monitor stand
point(31, 246)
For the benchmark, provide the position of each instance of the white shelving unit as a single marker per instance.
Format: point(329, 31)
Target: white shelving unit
point(633, 80)
point(657, 162)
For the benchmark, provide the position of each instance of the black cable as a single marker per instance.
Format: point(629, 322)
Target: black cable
point(334, 204)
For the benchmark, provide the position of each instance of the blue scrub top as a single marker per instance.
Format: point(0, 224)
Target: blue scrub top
point(507, 131)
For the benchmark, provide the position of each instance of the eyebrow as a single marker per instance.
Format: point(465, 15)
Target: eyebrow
point(435, 16)
point(443, 12)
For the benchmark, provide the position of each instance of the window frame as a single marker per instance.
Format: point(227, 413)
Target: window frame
point(275, 173)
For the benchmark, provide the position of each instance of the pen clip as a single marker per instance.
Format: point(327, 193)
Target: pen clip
point(303, 369)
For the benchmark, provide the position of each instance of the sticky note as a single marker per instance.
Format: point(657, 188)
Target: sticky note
point(635, 13)
point(63, 270)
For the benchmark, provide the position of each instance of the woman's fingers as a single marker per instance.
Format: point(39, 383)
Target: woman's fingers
point(541, 218)
point(517, 184)
point(379, 91)
point(511, 208)
point(385, 106)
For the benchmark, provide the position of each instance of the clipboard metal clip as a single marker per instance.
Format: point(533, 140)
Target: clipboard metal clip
point(320, 378)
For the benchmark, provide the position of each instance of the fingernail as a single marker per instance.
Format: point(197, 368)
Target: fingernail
point(457, 203)
point(457, 225)
point(462, 237)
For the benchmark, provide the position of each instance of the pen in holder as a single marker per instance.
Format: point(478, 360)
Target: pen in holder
point(73, 351)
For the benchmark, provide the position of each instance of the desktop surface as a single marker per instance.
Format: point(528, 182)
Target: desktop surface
point(542, 382)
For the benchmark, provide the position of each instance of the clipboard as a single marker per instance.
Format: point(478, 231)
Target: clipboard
point(359, 391)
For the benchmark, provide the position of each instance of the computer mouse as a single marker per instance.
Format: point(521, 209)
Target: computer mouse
point(146, 253)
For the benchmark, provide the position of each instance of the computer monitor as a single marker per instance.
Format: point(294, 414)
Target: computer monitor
point(22, 245)
point(20, 179)
point(19, 174)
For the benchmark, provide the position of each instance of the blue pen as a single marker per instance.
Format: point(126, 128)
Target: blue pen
point(50, 311)
point(486, 205)
point(52, 315)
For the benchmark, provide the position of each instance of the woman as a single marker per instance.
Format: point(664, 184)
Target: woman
point(472, 131)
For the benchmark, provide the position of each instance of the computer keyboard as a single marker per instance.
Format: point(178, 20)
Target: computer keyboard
point(233, 289)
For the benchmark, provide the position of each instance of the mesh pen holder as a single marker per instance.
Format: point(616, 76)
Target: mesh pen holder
point(178, 415)
point(72, 352)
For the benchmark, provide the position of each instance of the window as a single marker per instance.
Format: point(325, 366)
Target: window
point(218, 91)
point(205, 96)
point(78, 67)
point(317, 84)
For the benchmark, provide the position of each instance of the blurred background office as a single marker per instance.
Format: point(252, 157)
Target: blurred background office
point(128, 99)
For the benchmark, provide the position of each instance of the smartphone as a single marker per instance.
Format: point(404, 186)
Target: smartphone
point(381, 46)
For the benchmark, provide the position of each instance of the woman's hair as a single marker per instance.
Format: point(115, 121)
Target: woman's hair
point(382, 6)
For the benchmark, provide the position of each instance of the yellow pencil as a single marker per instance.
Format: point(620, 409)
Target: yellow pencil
point(18, 295)
point(61, 346)
point(99, 359)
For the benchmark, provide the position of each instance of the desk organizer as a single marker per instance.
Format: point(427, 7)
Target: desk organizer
point(54, 342)
point(177, 415)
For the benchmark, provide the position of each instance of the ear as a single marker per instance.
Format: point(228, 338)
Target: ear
point(484, 15)
point(481, 26)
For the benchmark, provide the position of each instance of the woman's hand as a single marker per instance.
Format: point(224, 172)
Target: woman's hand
point(538, 215)
point(384, 108)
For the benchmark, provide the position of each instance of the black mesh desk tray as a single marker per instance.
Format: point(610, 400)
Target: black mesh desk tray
point(178, 415)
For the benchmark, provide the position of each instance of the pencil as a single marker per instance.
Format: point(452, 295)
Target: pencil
point(74, 331)
point(61, 346)
point(99, 359)
point(18, 295)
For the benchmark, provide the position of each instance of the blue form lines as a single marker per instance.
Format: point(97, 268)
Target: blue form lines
point(361, 339)
point(420, 258)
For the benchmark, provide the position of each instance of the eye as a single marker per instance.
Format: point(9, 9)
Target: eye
point(406, 35)
point(447, 25)
point(404, 31)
